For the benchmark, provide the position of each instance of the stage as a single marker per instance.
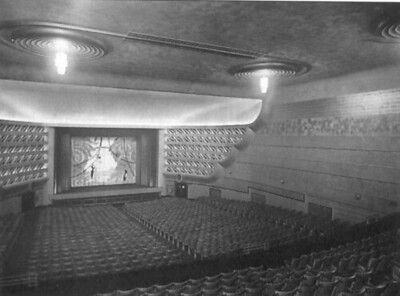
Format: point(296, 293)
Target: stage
point(107, 194)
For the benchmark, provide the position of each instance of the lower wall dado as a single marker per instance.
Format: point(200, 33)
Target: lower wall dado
point(342, 211)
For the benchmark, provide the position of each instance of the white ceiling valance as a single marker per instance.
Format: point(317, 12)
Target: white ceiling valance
point(87, 106)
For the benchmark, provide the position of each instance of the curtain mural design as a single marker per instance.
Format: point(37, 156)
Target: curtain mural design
point(103, 161)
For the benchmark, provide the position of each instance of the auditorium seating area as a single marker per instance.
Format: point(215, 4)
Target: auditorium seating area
point(10, 226)
point(302, 223)
point(370, 266)
point(174, 239)
point(214, 227)
point(85, 241)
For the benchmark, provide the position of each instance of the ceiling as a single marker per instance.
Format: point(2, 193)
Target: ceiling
point(334, 38)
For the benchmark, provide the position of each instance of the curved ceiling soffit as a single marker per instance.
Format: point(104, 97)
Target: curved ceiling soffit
point(83, 106)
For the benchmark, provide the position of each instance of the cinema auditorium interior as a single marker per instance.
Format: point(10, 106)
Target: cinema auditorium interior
point(199, 148)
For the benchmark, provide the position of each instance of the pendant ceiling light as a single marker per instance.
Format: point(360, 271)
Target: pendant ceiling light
point(389, 29)
point(61, 45)
point(264, 71)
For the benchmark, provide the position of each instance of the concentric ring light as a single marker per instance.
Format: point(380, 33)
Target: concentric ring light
point(389, 29)
point(59, 44)
point(266, 70)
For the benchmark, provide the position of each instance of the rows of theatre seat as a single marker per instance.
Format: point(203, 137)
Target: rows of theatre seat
point(214, 227)
point(366, 267)
point(86, 241)
point(302, 223)
point(9, 227)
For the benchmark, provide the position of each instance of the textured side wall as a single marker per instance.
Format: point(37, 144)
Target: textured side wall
point(342, 153)
point(26, 164)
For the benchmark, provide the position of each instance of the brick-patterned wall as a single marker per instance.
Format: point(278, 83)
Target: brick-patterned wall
point(196, 152)
point(23, 153)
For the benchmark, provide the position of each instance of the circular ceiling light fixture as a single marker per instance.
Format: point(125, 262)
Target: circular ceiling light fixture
point(389, 29)
point(265, 70)
point(50, 41)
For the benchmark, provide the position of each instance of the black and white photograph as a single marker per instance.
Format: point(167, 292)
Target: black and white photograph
point(199, 148)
